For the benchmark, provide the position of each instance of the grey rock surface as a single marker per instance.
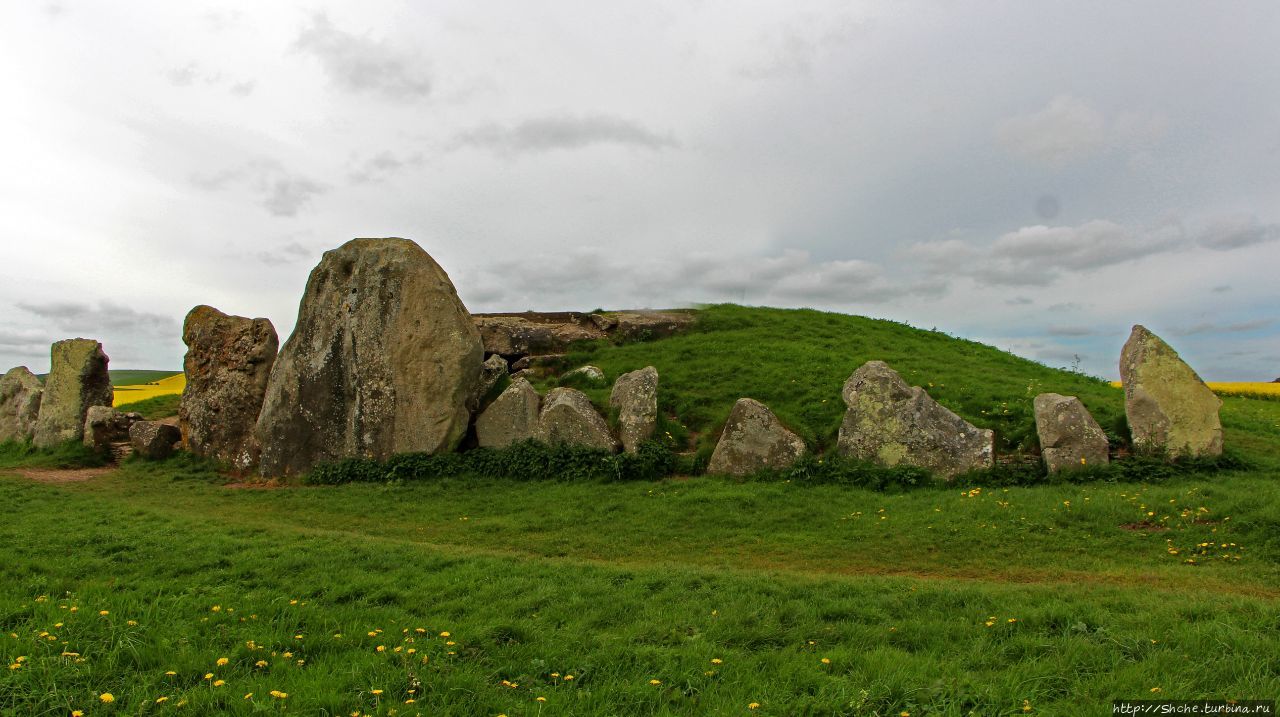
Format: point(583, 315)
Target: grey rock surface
point(754, 440)
point(1069, 436)
point(382, 360)
point(77, 379)
point(891, 423)
point(569, 418)
point(1169, 408)
point(153, 440)
point(20, 392)
point(635, 398)
point(227, 365)
point(511, 418)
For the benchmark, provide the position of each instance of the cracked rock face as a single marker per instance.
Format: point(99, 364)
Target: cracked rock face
point(77, 380)
point(228, 362)
point(1169, 408)
point(569, 418)
point(635, 398)
point(383, 360)
point(20, 393)
point(511, 418)
point(891, 423)
point(754, 440)
point(1069, 437)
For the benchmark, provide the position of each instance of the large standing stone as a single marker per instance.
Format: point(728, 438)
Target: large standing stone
point(891, 423)
point(382, 361)
point(1168, 406)
point(754, 440)
point(228, 362)
point(104, 425)
point(77, 379)
point(1069, 437)
point(20, 393)
point(635, 398)
point(511, 418)
point(153, 440)
point(568, 418)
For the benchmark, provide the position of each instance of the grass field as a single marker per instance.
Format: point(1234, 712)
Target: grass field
point(173, 593)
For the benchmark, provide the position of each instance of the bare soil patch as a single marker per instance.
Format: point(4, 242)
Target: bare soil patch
point(1145, 526)
point(62, 475)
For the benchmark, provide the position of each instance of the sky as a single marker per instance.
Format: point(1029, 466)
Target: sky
point(1038, 176)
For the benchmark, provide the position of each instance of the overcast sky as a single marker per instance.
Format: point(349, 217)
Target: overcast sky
point(1038, 176)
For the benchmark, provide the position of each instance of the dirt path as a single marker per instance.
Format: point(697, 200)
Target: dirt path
point(61, 475)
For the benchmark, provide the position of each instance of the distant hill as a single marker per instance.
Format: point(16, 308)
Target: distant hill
point(136, 377)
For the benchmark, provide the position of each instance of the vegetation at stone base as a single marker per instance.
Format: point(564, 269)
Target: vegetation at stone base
point(797, 360)
point(528, 460)
point(72, 454)
point(154, 408)
point(802, 600)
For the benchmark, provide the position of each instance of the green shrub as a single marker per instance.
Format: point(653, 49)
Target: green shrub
point(71, 454)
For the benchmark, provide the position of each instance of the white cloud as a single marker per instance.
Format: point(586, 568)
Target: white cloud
point(1070, 129)
point(360, 64)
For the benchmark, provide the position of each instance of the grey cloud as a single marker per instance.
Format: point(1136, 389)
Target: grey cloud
point(1237, 232)
point(1221, 289)
point(184, 76)
point(542, 134)
point(243, 89)
point(1069, 129)
point(362, 65)
point(795, 47)
point(287, 254)
point(1072, 331)
point(1037, 255)
point(1215, 328)
point(281, 192)
point(382, 166)
point(108, 316)
point(1019, 301)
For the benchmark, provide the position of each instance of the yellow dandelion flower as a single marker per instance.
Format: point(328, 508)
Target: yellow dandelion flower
point(568, 678)
point(420, 631)
point(375, 692)
point(208, 675)
point(410, 701)
point(279, 695)
point(286, 655)
point(223, 661)
point(219, 683)
point(826, 660)
point(170, 673)
point(444, 634)
point(104, 612)
point(716, 661)
point(381, 648)
point(1156, 689)
point(540, 699)
point(655, 682)
point(77, 713)
point(261, 663)
point(160, 700)
point(249, 696)
point(107, 698)
point(753, 706)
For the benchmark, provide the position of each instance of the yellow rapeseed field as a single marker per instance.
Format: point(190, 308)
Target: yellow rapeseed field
point(1238, 388)
point(141, 392)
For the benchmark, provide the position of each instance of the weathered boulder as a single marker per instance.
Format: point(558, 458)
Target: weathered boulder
point(491, 372)
point(511, 418)
point(754, 440)
point(20, 393)
point(77, 379)
point(635, 398)
point(104, 425)
point(1069, 437)
point(1168, 406)
point(382, 360)
point(891, 423)
point(153, 440)
point(568, 418)
point(228, 362)
point(588, 373)
point(538, 333)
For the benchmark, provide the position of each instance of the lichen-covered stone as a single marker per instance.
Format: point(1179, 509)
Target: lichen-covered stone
point(588, 373)
point(569, 418)
point(1169, 408)
point(1069, 437)
point(891, 423)
point(228, 363)
point(153, 440)
point(77, 379)
point(382, 360)
point(754, 440)
point(635, 398)
point(20, 393)
point(491, 372)
point(511, 418)
point(104, 425)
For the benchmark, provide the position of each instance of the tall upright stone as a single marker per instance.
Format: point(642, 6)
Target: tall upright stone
point(891, 423)
point(20, 393)
point(1069, 436)
point(228, 363)
point(77, 379)
point(635, 398)
point(754, 440)
point(1169, 408)
point(382, 360)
